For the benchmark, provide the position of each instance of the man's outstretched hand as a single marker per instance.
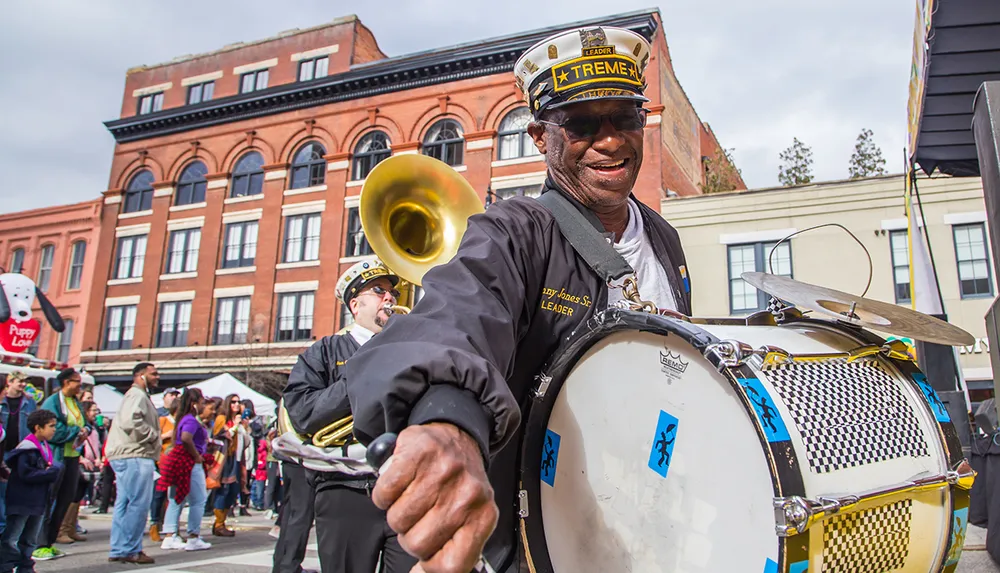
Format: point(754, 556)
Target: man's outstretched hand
point(438, 498)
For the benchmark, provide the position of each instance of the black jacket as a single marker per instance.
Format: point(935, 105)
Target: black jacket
point(488, 321)
point(30, 479)
point(316, 394)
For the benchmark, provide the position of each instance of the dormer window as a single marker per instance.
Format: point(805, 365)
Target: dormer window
point(254, 81)
point(150, 103)
point(314, 68)
point(198, 93)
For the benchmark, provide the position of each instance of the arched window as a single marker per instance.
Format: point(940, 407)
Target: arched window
point(17, 261)
point(45, 268)
point(248, 176)
point(191, 185)
point(372, 149)
point(308, 166)
point(444, 141)
point(513, 136)
point(139, 193)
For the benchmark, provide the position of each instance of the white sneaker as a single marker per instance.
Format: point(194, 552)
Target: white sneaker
point(172, 542)
point(197, 544)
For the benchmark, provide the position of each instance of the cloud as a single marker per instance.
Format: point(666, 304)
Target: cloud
point(760, 73)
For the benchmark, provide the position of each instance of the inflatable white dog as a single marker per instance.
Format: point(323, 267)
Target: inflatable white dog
point(17, 329)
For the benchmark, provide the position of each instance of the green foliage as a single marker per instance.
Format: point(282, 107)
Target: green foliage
point(796, 164)
point(721, 173)
point(867, 160)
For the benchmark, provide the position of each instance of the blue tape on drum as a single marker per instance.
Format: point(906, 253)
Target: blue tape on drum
point(550, 457)
point(958, 529)
point(763, 406)
point(663, 443)
point(937, 406)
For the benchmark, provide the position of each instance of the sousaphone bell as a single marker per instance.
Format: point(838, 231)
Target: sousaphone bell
point(414, 211)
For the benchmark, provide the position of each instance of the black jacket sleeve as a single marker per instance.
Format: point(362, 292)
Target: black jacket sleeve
point(449, 359)
point(313, 397)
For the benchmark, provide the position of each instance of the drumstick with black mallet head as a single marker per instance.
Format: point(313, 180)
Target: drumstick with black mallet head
point(380, 453)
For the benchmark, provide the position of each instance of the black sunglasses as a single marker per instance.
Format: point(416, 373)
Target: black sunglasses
point(587, 126)
point(381, 291)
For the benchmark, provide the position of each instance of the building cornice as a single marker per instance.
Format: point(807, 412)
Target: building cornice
point(457, 63)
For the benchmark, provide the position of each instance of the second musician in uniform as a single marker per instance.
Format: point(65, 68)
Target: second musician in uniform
point(351, 532)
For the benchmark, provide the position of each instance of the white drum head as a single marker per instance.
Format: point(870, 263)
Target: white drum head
point(652, 464)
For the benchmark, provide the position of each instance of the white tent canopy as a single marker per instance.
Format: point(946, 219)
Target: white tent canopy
point(108, 399)
point(224, 385)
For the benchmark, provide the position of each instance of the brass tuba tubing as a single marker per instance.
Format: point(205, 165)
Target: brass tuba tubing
point(335, 434)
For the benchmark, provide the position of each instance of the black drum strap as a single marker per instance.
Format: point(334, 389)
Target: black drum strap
point(585, 234)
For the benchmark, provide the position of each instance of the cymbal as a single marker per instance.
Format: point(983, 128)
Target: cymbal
point(867, 313)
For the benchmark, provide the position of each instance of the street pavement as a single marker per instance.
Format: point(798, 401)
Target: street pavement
point(975, 559)
point(251, 550)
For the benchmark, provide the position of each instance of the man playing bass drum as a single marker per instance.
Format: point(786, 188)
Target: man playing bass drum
point(450, 377)
point(350, 530)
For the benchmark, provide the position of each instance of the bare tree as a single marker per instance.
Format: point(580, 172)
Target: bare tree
point(252, 372)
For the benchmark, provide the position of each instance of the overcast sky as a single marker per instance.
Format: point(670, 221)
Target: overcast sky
point(759, 72)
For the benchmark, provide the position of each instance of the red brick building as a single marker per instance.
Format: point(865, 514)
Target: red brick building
point(57, 248)
point(232, 201)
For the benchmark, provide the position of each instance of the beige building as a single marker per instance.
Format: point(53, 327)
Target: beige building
point(727, 234)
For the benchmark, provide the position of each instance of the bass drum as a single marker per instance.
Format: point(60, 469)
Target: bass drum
point(657, 445)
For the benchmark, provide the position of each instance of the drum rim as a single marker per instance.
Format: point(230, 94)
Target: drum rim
point(599, 327)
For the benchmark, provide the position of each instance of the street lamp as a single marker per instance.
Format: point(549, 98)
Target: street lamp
point(491, 197)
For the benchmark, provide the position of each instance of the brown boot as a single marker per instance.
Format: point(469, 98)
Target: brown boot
point(154, 533)
point(220, 529)
point(67, 529)
point(71, 521)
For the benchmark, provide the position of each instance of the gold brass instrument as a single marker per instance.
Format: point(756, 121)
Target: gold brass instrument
point(334, 435)
point(284, 424)
point(396, 309)
point(414, 210)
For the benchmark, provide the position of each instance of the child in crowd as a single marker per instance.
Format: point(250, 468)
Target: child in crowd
point(33, 470)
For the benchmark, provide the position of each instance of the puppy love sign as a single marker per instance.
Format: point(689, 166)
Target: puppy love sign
point(17, 336)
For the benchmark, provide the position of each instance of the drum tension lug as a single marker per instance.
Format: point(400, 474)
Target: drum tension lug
point(728, 354)
point(962, 476)
point(794, 515)
point(543, 381)
point(522, 504)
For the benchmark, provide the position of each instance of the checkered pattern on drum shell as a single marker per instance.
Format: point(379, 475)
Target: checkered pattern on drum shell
point(875, 540)
point(849, 414)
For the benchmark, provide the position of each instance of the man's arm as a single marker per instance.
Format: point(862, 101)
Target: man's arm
point(448, 360)
point(312, 398)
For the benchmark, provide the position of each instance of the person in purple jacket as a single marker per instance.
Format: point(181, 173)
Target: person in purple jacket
point(33, 470)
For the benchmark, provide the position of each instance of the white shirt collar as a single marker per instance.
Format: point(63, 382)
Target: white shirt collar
point(361, 334)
